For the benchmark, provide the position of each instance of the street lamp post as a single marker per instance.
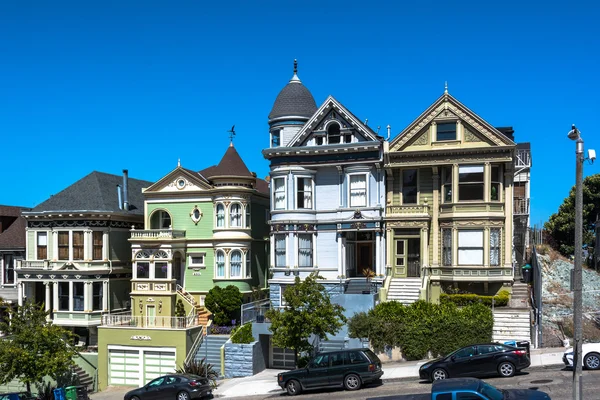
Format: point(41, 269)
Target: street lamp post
point(575, 135)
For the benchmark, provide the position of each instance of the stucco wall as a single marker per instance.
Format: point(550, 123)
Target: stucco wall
point(243, 359)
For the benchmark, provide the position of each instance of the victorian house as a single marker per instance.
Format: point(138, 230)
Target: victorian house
point(201, 229)
point(327, 192)
point(78, 259)
point(449, 205)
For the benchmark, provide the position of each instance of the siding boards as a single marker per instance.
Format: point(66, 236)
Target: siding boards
point(327, 189)
point(327, 252)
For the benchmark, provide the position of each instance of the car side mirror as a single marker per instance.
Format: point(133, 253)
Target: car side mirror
point(453, 358)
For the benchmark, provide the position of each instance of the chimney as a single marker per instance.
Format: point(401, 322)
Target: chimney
point(120, 195)
point(125, 193)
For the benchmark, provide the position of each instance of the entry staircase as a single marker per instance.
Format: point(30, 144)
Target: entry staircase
point(404, 290)
point(210, 349)
point(83, 378)
point(201, 311)
point(514, 322)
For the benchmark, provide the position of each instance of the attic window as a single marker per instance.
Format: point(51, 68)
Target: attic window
point(333, 134)
point(446, 131)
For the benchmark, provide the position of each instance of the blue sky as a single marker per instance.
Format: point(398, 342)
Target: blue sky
point(129, 84)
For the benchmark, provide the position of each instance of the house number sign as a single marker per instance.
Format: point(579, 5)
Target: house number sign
point(140, 337)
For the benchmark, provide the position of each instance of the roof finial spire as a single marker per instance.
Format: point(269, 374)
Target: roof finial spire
point(295, 78)
point(231, 135)
point(446, 87)
point(179, 162)
point(295, 66)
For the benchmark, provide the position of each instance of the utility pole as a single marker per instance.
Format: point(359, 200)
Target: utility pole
point(574, 134)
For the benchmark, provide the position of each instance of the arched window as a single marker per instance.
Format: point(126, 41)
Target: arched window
point(220, 216)
point(160, 220)
point(333, 134)
point(235, 215)
point(235, 264)
point(220, 261)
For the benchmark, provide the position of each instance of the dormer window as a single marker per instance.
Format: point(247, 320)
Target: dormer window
point(333, 134)
point(446, 131)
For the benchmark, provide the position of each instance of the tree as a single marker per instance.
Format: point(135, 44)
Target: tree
point(224, 304)
point(561, 226)
point(34, 347)
point(308, 311)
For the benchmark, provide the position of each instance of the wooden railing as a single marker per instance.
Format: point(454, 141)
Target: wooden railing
point(413, 209)
point(129, 321)
point(157, 234)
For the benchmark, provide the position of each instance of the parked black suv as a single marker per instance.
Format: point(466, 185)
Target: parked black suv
point(348, 368)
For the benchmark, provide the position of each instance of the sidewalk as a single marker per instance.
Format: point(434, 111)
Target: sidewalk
point(266, 382)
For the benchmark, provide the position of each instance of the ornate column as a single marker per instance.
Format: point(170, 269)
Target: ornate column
point(378, 252)
point(340, 248)
point(105, 297)
point(87, 303)
point(424, 247)
point(47, 304)
point(20, 293)
point(487, 179)
point(388, 239)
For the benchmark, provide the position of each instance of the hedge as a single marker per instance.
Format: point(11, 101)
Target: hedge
point(422, 328)
point(500, 300)
point(242, 334)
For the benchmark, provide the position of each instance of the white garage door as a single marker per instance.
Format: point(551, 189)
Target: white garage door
point(124, 367)
point(157, 363)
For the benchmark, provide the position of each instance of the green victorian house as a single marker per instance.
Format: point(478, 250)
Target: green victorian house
point(449, 206)
point(201, 230)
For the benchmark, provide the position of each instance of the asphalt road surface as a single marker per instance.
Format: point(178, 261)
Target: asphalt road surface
point(552, 380)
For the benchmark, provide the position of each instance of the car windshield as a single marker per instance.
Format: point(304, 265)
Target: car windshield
point(490, 391)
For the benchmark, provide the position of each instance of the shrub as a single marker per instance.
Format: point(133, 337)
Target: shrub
point(500, 300)
point(242, 334)
point(200, 368)
point(224, 304)
point(221, 330)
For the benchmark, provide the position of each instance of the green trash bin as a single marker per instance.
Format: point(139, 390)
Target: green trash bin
point(71, 393)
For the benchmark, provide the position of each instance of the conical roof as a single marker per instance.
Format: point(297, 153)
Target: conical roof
point(230, 165)
point(294, 100)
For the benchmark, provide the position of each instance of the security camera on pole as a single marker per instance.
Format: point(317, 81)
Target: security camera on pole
point(575, 135)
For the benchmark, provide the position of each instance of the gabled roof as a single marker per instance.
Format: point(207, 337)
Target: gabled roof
point(192, 177)
point(329, 104)
point(96, 192)
point(446, 103)
point(230, 165)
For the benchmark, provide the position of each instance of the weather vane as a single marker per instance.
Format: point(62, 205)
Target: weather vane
point(231, 135)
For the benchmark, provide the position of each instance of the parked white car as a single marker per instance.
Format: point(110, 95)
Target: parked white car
point(591, 356)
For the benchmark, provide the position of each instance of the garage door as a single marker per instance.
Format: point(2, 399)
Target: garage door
point(124, 367)
point(158, 363)
point(281, 358)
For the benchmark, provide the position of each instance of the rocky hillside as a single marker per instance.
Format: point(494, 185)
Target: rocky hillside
point(558, 299)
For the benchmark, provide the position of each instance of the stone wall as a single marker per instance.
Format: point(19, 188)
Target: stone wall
point(243, 359)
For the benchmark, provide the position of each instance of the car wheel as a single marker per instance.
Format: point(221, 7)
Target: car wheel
point(352, 382)
point(183, 396)
point(439, 374)
point(135, 398)
point(506, 369)
point(592, 361)
point(293, 387)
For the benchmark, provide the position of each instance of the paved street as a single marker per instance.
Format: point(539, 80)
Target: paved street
point(552, 380)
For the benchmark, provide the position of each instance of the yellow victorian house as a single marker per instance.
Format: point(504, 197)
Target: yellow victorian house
point(449, 217)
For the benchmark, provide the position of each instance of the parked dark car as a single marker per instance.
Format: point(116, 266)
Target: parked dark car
point(476, 389)
point(348, 368)
point(17, 396)
point(174, 386)
point(477, 360)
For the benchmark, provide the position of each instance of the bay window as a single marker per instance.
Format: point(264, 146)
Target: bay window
point(248, 215)
point(143, 270)
point(496, 186)
point(97, 244)
point(470, 182)
point(161, 270)
point(63, 296)
point(409, 186)
point(78, 297)
point(470, 247)
point(447, 184)
point(235, 264)
point(279, 193)
point(358, 190)
point(220, 264)
point(248, 264)
point(305, 250)
point(304, 193)
point(235, 215)
point(97, 289)
point(280, 254)
point(63, 245)
point(78, 245)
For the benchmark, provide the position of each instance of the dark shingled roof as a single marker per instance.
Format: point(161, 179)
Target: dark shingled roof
point(230, 165)
point(14, 236)
point(97, 192)
point(293, 100)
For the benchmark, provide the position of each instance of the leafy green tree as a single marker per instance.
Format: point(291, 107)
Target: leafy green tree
point(561, 226)
point(308, 311)
point(224, 304)
point(34, 347)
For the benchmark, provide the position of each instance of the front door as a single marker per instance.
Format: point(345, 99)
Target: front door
point(400, 259)
point(150, 316)
point(364, 258)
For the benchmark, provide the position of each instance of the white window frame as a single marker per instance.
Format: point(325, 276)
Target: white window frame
point(240, 215)
point(4, 268)
point(37, 238)
point(312, 249)
point(247, 266)
point(161, 218)
point(191, 256)
point(402, 186)
point(274, 193)
point(475, 247)
point(499, 247)
point(152, 269)
point(230, 264)
point(285, 248)
point(482, 183)
point(217, 216)
point(296, 192)
point(217, 276)
point(366, 176)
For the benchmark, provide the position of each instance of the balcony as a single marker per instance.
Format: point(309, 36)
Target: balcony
point(165, 286)
point(157, 234)
point(523, 158)
point(33, 264)
point(521, 206)
point(54, 265)
point(408, 211)
point(127, 320)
